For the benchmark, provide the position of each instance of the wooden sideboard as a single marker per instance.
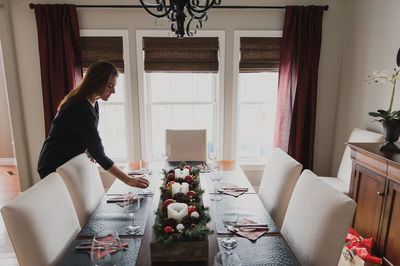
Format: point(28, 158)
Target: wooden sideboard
point(375, 186)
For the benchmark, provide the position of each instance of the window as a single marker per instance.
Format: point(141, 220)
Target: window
point(257, 86)
point(257, 105)
point(113, 126)
point(181, 101)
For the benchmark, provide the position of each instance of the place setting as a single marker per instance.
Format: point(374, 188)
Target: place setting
point(103, 249)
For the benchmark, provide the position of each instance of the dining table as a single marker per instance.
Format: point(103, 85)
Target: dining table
point(269, 249)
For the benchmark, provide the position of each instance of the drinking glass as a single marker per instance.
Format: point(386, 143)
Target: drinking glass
point(105, 249)
point(212, 157)
point(216, 176)
point(165, 154)
point(224, 258)
point(229, 219)
point(132, 205)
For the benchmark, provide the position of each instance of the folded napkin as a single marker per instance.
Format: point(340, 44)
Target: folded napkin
point(204, 168)
point(120, 199)
point(232, 190)
point(250, 233)
point(107, 245)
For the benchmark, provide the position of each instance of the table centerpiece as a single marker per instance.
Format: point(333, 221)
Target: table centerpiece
point(180, 231)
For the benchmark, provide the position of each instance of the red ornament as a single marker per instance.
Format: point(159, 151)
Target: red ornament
point(168, 229)
point(169, 185)
point(189, 178)
point(191, 194)
point(191, 209)
point(167, 202)
point(187, 167)
point(171, 176)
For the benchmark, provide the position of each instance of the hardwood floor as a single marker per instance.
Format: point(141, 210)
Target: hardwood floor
point(9, 189)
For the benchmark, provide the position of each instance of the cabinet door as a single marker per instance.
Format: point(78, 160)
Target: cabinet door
point(390, 237)
point(368, 192)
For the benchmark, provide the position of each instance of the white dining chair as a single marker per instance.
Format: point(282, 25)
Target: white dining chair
point(317, 221)
point(84, 184)
point(280, 176)
point(186, 145)
point(41, 222)
point(342, 181)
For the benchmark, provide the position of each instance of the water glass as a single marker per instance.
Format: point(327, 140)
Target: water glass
point(224, 258)
point(132, 206)
point(229, 219)
point(165, 154)
point(216, 176)
point(105, 249)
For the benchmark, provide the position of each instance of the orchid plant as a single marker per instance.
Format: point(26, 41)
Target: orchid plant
point(385, 77)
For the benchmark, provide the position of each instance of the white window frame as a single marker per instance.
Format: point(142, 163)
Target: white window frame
point(235, 92)
point(128, 93)
point(145, 108)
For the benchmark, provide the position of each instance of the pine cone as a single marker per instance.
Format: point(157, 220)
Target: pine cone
point(171, 171)
point(169, 222)
point(181, 197)
point(187, 221)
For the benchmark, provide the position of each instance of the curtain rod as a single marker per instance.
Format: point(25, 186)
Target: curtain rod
point(32, 5)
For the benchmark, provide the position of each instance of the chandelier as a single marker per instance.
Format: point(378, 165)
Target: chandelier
point(176, 12)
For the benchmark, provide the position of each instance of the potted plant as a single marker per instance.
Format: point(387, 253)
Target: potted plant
point(390, 119)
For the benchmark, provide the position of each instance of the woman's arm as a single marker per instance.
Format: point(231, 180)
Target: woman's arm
point(133, 182)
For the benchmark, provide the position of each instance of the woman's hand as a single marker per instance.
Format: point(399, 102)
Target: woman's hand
point(137, 182)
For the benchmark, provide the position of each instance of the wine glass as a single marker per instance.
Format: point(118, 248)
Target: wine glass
point(216, 176)
point(212, 157)
point(223, 258)
point(104, 249)
point(229, 219)
point(165, 154)
point(132, 205)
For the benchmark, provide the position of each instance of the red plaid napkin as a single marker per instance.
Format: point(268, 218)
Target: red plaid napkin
point(119, 199)
point(249, 233)
point(236, 192)
point(108, 241)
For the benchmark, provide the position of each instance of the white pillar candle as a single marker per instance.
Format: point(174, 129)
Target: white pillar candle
point(181, 174)
point(177, 211)
point(176, 188)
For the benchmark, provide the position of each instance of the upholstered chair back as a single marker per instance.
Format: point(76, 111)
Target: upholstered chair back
point(41, 222)
point(317, 221)
point(84, 184)
point(280, 176)
point(186, 145)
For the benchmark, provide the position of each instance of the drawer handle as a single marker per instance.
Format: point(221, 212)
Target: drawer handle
point(380, 193)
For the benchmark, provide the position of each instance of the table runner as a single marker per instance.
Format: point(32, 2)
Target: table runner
point(247, 205)
point(112, 216)
point(82, 258)
point(270, 250)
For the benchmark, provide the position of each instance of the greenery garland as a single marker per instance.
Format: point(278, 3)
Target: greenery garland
point(195, 229)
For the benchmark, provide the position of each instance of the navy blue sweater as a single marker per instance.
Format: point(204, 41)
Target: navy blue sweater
point(73, 131)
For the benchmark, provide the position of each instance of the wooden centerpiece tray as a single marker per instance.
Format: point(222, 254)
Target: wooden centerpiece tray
point(180, 231)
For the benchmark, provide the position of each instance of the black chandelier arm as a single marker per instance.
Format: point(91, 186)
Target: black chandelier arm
point(200, 9)
point(198, 26)
point(195, 14)
point(166, 9)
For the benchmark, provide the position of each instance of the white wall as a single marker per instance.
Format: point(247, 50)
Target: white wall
point(371, 42)
point(25, 34)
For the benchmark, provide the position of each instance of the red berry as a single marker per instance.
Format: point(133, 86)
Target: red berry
point(167, 202)
point(187, 167)
point(191, 209)
point(169, 185)
point(171, 176)
point(189, 178)
point(191, 194)
point(168, 229)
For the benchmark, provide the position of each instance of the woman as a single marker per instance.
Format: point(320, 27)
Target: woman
point(74, 129)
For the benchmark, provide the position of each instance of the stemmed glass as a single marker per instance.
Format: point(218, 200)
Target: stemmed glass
point(212, 157)
point(229, 219)
point(132, 205)
point(216, 176)
point(223, 258)
point(165, 154)
point(102, 247)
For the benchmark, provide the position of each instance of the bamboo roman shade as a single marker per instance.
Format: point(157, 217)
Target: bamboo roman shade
point(259, 54)
point(102, 48)
point(163, 54)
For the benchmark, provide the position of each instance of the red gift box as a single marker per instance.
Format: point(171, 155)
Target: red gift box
point(361, 247)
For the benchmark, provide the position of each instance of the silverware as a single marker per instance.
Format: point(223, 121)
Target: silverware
point(250, 225)
point(90, 247)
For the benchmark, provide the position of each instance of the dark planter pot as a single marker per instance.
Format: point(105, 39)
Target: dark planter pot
point(391, 132)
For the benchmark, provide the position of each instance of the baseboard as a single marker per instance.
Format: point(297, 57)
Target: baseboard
point(8, 161)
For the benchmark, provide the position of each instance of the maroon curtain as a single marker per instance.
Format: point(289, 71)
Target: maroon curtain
point(60, 55)
point(298, 78)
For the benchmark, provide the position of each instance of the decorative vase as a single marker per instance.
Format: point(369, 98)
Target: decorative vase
point(391, 132)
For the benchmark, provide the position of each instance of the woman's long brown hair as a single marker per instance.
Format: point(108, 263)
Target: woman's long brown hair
point(94, 82)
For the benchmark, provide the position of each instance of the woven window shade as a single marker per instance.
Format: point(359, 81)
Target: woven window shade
point(102, 48)
point(259, 54)
point(180, 55)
